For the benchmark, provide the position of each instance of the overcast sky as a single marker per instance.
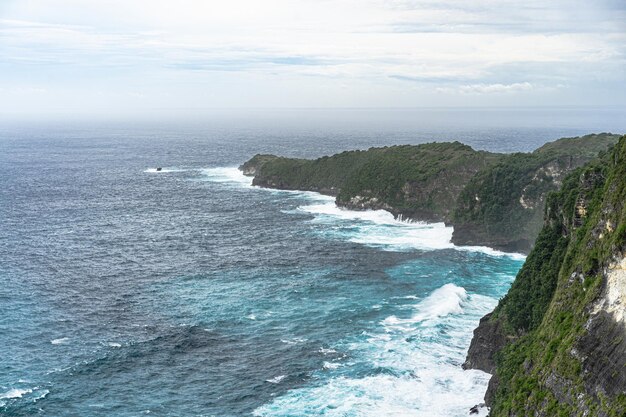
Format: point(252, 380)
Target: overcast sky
point(144, 56)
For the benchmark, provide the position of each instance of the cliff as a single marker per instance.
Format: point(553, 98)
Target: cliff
point(491, 199)
point(556, 342)
point(502, 207)
point(414, 182)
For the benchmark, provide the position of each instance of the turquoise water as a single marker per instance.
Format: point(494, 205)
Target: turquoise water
point(126, 291)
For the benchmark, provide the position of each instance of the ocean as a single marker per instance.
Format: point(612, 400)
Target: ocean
point(187, 292)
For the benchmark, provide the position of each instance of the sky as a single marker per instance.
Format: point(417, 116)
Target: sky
point(141, 57)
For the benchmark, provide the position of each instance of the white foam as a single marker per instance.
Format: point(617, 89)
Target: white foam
point(378, 228)
point(43, 395)
point(443, 301)
point(331, 365)
point(492, 252)
point(294, 341)
point(423, 354)
point(60, 341)
point(230, 175)
point(276, 380)
point(115, 345)
point(15, 393)
point(251, 317)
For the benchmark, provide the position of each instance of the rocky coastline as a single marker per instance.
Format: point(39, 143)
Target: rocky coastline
point(494, 200)
point(556, 343)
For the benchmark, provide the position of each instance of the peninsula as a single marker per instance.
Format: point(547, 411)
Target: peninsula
point(491, 199)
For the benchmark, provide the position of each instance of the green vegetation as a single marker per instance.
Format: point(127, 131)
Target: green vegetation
point(416, 181)
point(420, 181)
point(491, 199)
point(327, 174)
point(561, 356)
point(557, 366)
point(505, 203)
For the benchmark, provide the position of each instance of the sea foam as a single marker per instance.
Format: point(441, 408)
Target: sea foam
point(15, 393)
point(420, 358)
point(374, 228)
point(60, 341)
point(378, 228)
point(226, 175)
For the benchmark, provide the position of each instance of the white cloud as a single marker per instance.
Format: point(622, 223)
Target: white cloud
point(495, 88)
point(297, 47)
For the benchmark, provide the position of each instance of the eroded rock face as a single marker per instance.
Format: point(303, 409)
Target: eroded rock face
point(602, 350)
point(488, 339)
point(359, 202)
point(613, 299)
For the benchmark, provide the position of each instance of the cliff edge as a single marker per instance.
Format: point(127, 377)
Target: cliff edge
point(556, 343)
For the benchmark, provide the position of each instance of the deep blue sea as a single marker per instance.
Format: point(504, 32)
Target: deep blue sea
point(188, 292)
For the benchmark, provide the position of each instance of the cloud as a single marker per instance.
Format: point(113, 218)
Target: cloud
point(495, 88)
point(299, 48)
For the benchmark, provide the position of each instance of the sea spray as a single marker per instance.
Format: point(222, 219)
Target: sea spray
point(413, 362)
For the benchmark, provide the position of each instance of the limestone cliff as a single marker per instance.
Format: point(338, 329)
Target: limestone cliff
point(563, 322)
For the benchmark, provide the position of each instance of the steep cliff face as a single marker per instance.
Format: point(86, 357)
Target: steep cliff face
point(502, 207)
point(563, 321)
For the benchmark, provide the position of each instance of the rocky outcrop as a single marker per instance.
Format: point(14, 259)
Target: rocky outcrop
point(489, 338)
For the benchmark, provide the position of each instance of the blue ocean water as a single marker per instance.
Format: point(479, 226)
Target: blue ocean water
point(125, 291)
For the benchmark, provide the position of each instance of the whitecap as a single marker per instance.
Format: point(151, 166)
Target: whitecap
point(251, 317)
point(294, 341)
point(331, 365)
point(115, 345)
point(422, 353)
point(229, 175)
point(445, 300)
point(43, 394)
point(492, 252)
point(15, 393)
point(60, 341)
point(277, 379)
point(379, 228)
